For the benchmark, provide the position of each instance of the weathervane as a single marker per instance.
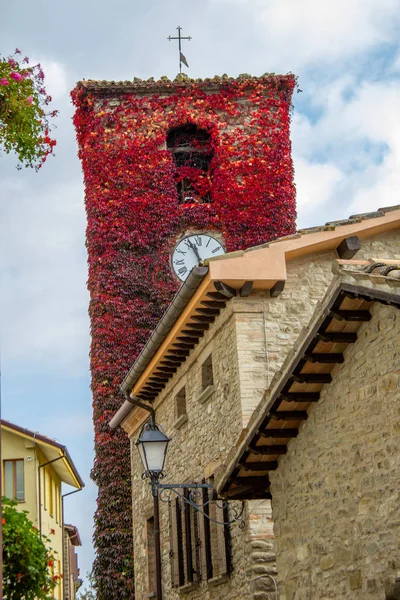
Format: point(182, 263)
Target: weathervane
point(182, 58)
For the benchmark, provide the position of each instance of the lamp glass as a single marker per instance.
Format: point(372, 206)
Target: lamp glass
point(152, 445)
point(155, 455)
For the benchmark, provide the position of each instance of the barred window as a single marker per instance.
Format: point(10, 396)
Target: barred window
point(192, 153)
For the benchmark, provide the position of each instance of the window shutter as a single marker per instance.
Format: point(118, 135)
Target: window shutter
point(205, 538)
point(188, 540)
point(176, 543)
point(223, 536)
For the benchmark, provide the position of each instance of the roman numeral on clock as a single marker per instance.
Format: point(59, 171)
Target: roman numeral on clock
point(216, 249)
point(182, 270)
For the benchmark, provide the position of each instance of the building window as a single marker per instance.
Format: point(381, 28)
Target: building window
point(200, 542)
point(57, 503)
point(207, 377)
point(185, 549)
point(45, 491)
point(51, 496)
point(151, 556)
point(14, 484)
point(192, 153)
point(180, 408)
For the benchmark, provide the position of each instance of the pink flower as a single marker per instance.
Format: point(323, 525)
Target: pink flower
point(26, 60)
point(13, 63)
point(17, 51)
point(4, 81)
point(29, 99)
point(16, 76)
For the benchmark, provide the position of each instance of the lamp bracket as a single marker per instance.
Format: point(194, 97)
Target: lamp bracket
point(194, 498)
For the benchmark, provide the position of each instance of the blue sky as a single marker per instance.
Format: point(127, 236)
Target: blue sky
point(346, 149)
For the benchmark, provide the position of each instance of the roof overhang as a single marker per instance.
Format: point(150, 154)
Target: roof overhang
point(309, 367)
point(52, 451)
point(73, 534)
point(262, 268)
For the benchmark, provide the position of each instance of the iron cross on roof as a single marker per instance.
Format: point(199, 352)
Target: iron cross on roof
point(182, 58)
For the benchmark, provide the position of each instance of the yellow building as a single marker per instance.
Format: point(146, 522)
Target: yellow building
point(34, 469)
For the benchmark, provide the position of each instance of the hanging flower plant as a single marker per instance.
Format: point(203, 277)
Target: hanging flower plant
point(24, 111)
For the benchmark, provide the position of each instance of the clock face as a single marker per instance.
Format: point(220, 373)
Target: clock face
point(192, 250)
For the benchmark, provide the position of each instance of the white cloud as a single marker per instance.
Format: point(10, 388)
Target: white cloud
point(358, 142)
point(314, 183)
point(43, 302)
point(55, 77)
point(309, 32)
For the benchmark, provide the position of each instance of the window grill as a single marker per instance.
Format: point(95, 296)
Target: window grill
point(192, 153)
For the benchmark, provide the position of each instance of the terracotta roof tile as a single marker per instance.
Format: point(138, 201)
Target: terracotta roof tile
point(138, 85)
point(329, 226)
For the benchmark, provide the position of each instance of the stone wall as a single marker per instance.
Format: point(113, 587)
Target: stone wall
point(199, 443)
point(336, 493)
point(249, 342)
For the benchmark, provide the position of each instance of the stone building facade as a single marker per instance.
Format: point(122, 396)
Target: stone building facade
point(202, 430)
point(335, 494)
point(334, 488)
point(249, 342)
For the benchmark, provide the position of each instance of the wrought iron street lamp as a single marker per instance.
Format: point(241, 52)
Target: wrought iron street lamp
point(152, 445)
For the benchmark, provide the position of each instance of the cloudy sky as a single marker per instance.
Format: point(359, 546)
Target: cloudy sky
point(346, 148)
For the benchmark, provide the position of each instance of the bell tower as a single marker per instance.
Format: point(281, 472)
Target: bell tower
point(164, 162)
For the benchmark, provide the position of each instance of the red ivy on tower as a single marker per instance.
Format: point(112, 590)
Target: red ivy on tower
point(139, 201)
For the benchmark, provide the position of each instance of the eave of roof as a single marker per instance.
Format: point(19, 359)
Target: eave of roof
point(261, 267)
point(299, 383)
point(166, 85)
point(46, 444)
point(73, 534)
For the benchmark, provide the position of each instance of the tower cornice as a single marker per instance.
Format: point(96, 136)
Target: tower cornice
point(182, 82)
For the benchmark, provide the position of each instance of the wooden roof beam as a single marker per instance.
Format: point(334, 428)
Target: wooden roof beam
point(167, 369)
point(249, 492)
point(300, 396)
point(224, 290)
point(246, 288)
point(189, 335)
point(270, 465)
point(268, 450)
point(202, 319)
point(278, 433)
point(197, 326)
point(290, 415)
point(349, 247)
point(216, 296)
point(312, 377)
point(324, 358)
point(259, 482)
point(208, 312)
point(351, 315)
point(277, 289)
point(213, 304)
point(337, 337)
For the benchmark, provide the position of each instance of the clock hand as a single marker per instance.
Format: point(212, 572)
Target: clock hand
point(193, 247)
